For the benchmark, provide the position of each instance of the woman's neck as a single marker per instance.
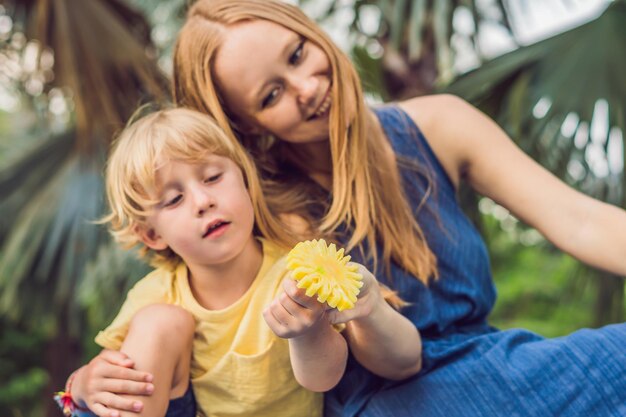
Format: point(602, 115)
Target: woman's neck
point(216, 287)
point(314, 159)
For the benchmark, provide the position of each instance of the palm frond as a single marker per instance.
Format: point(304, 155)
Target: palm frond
point(54, 189)
point(531, 92)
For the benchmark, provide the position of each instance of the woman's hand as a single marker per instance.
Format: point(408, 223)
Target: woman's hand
point(369, 299)
point(100, 384)
point(293, 314)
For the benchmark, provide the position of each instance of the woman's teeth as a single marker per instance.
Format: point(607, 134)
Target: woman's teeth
point(323, 108)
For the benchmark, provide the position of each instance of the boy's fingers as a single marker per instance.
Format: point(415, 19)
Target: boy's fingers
point(302, 313)
point(299, 295)
point(281, 315)
point(274, 324)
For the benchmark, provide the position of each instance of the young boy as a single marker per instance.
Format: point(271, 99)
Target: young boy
point(178, 186)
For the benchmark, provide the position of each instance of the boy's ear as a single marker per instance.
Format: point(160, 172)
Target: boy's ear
point(150, 237)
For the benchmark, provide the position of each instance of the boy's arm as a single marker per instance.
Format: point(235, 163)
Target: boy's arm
point(380, 338)
point(318, 353)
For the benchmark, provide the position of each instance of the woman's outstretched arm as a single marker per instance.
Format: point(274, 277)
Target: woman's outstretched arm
point(473, 147)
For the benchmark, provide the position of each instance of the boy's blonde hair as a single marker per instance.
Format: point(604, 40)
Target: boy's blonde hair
point(172, 134)
point(367, 193)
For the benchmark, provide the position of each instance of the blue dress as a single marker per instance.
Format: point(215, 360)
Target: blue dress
point(469, 367)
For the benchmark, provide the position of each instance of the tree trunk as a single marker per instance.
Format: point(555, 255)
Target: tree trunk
point(609, 300)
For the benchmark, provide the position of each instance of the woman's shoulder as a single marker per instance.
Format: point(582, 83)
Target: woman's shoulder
point(434, 114)
point(431, 111)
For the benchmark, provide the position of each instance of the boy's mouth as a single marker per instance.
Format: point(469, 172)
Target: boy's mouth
point(215, 227)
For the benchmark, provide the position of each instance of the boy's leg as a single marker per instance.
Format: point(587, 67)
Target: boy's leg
point(160, 341)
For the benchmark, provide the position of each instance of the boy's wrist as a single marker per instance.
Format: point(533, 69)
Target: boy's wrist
point(315, 334)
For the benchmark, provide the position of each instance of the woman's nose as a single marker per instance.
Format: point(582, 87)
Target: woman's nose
point(306, 89)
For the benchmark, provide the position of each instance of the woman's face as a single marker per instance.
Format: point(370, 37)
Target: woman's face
point(275, 81)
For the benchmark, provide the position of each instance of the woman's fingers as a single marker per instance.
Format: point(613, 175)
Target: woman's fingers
point(115, 357)
point(116, 403)
point(129, 374)
point(102, 411)
point(112, 366)
point(125, 386)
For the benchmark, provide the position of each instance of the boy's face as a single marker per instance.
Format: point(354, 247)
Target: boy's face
point(204, 214)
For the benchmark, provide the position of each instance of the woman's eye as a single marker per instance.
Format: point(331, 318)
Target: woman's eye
point(297, 54)
point(213, 178)
point(269, 99)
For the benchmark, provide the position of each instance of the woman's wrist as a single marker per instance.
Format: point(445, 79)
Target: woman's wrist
point(69, 404)
point(77, 387)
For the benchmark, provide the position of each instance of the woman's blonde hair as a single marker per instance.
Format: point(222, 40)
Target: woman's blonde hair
point(367, 194)
point(172, 134)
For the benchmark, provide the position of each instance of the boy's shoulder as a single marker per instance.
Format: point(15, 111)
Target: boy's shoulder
point(160, 283)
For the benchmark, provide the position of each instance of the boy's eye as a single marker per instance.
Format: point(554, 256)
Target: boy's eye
point(297, 54)
point(213, 178)
point(269, 99)
point(172, 201)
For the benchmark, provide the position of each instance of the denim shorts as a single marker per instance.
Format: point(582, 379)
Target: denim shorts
point(184, 406)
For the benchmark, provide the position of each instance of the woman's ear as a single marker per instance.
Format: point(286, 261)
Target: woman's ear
point(150, 237)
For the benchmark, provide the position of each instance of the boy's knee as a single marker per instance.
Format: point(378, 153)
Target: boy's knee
point(164, 320)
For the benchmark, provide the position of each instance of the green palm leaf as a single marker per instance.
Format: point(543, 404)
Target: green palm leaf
point(562, 101)
point(53, 187)
point(549, 94)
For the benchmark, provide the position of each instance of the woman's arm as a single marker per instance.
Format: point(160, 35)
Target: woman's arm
point(318, 353)
point(380, 338)
point(471, 146)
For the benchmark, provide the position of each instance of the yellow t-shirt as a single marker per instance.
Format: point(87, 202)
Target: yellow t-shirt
point(239, 366)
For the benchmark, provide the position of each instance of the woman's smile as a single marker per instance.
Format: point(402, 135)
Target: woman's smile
point(324, 106)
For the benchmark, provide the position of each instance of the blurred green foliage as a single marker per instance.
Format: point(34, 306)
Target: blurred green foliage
point(539, 288)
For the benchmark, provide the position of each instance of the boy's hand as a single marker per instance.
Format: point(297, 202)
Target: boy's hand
point(293, 313)
point(99, 384)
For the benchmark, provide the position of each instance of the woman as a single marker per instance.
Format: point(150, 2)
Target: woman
point(272, 78)
point(383, 182)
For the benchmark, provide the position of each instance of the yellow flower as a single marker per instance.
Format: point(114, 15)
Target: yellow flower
point(325, 271)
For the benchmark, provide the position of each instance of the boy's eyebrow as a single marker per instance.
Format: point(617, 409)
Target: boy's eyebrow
point(285, 51)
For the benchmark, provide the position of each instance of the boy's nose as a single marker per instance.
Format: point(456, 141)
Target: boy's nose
point(204, 201)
